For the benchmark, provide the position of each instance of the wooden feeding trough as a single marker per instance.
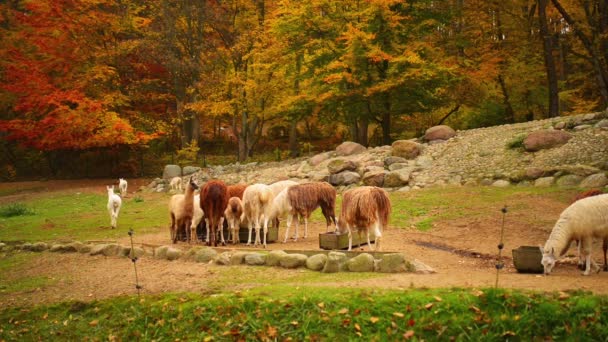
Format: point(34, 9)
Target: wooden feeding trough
point(201, 232)
point(340, 241)
point(527, 259)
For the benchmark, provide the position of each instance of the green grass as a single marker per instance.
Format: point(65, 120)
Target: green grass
point(319, 313)
point(15, 209)
point(83, 216)
point(11, 264)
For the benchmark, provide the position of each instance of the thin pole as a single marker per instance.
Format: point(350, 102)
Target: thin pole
point(499, 264)
point(134, 260)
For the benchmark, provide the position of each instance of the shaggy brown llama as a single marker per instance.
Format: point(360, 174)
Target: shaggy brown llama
point(362, 208)
point(233, 216)
point(214, 200)
point(305, 198)
point(181, 209)
point(236, 190)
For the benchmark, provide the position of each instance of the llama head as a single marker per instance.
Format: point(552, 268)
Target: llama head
point(548, 260)
point(193, 184)
point(110, 189)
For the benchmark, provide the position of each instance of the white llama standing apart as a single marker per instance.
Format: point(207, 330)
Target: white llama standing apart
point(122, 186)
point(114, 203)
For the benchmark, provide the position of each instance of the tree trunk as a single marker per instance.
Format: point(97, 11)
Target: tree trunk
point(509, 113)
point(243, 152)
point(549, 60)
point(362, 131)
point(294, 151)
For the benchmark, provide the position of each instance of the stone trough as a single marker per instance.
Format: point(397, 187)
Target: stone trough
point(527, 259)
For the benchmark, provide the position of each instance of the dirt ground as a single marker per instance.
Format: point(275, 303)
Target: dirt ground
point(462, 252)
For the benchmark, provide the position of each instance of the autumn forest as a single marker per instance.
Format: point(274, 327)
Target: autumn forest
point(111, 87)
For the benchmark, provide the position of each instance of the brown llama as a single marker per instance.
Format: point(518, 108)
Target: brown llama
point(214, 199)
point(305, 198)
point(362, 208)
point(236, 190)
point(181, 210)
point(233, 216)
point(579, 196)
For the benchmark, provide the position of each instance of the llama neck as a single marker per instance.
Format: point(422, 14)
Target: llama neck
point(189, 198)
point(559, 239)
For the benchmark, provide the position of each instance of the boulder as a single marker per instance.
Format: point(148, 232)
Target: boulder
point(338, 165)
point(544, 139)
point(602, 123)
point(319, 158)
point(59, 248)
point(374, 178)
point(173, 253)
point(205, 254)
point(397, 178)
point(388, 161)
point(109, 249)
point(501, 183)
point(441, 132)
point(316, 262)
point(274, 257)
point(137, 252)
point(319, 176)
point(398, 166)
point(424, 161)
point(223, 259)
point(344, 178)
point(171, 171)
point(348, 148)
point(393, 263)
point(39, 247)
point(361, 263)
point(569, 180)
point(255, 259)
point(598, 180)
point(578, 169)
point(188, 170)
point(238, 258)
point(544, 182)
point(293, 260)
point(421, 268)
point(534, 172)
point(406, 149)
point(334, 263)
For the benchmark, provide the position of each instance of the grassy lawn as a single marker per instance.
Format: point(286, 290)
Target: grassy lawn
point(83, 216)
point(319, 314)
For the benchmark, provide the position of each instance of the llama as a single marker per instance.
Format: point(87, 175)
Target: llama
point(233, 215)
point(176, 184)
point(236, 190)
point(257, 203)
point(214, 200)
point(363, 208)
point(581, 262)
point(122, 186)
point(278, 187)
point(582, 220)
point(114, 204)
point(280, 207)
point(181, 210)
point(197, 216)
point(305, 198)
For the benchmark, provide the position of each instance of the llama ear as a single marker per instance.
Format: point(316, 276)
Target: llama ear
point(552, 251)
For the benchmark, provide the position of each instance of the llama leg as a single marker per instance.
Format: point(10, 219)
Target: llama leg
point(289, 218)
point(350, 237)
point(378, 233)
point(586, 250)
point(250, 224)
point(207, 230)
point(265, 229)
point(305, 227)
point(221, 227)
point(257, 231)
point(295, 235)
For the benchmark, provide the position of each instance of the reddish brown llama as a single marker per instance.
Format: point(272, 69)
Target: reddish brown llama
point(363, 208)
point(214, 199)
point(236, 190)
point(305, 198)
point(233, 218)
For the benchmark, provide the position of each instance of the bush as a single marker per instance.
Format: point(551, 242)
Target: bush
point(517, 141)
point(15, 209)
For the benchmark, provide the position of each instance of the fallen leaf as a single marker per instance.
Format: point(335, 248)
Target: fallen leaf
point(428, 306)
point(271, 331)
point(45, 316)
point(357, 327)
point(475, 309)
point(321, 305)
point(294, 323)
point(398, 314)
point(408, 334)
point(343, 311)
point(508, 333)
point(411, 323)
point(357, 311)
point(94, 322)
point(374, 319)
point(437, 298)
point(563, 295)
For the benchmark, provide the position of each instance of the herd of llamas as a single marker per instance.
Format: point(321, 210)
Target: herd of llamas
point(364, 209)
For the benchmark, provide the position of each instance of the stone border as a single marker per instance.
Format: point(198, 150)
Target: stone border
point(323, 261)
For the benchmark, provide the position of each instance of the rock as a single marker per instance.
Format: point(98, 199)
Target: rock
point(534, 172)
point(338, 165)
point(316, 262)
point(173, 253)
point(560, 125)
point(581, 127)
point(393, 263)
point(223, 259)
point(597, 180)
point(39, 247)
point(421, 268)
point(602, 123)
point(388, 161)
point(569, 180)
point(348, 148)
point(238, 258)
point(374, 178)
point(188, 170)
point(580, 170)
point(319, 158)
point(424, 161)
point(363, 262)
point(205, 254)
point(137, 252)
point(255, 259)
point(544, 182)
point(397, 178)
point(344, 178)
point(171, 171)
point(293, 260)
point(544, 139)
point(501, 183)
point(398, 166)
point(109, 249)
point(406, 149)
point(274, 258)
point(319, 176)
point(442, 132)
point(334, 263)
